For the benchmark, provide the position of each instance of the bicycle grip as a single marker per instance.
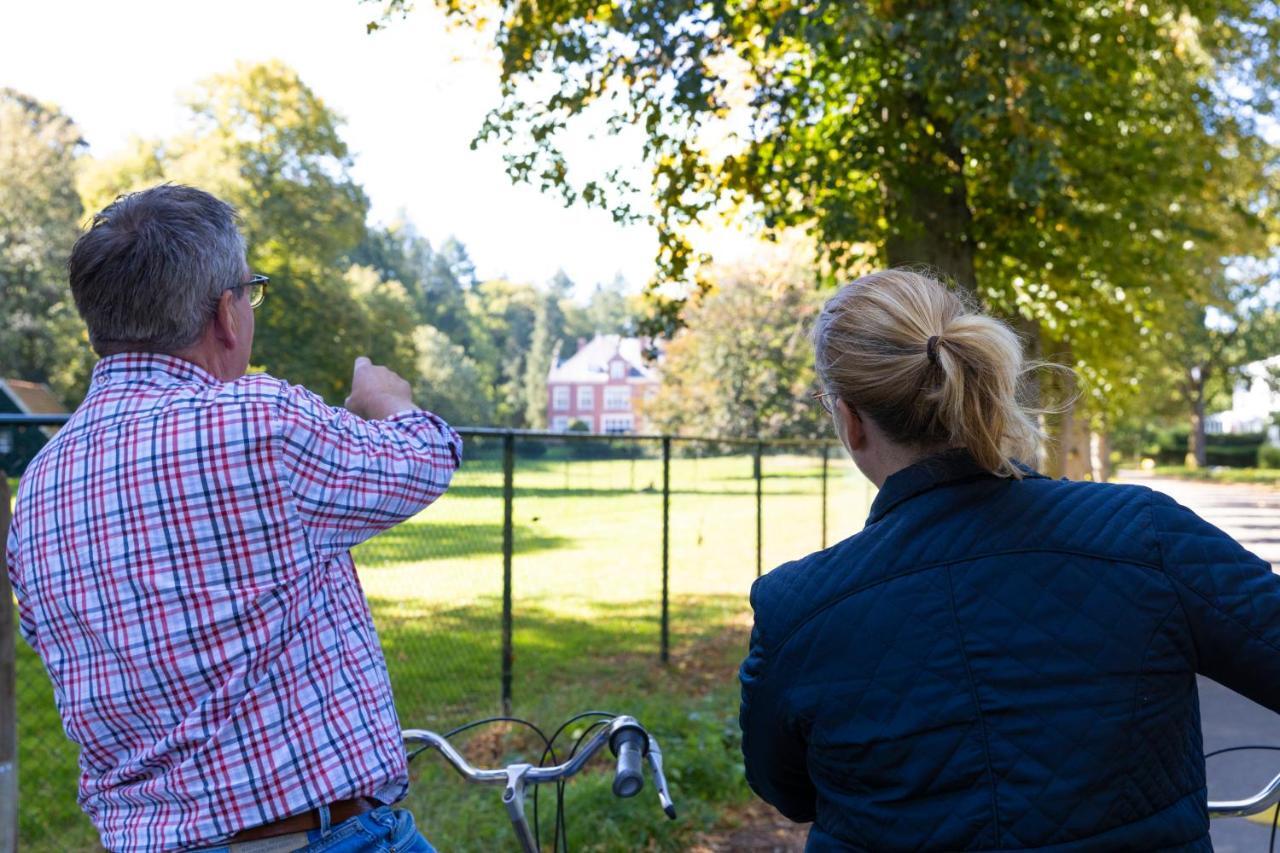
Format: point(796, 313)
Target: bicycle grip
point(628, 745)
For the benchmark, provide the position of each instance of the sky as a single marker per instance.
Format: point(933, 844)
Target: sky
point(412, 96)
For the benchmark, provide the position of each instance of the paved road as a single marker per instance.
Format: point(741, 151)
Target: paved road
point(1252, 515)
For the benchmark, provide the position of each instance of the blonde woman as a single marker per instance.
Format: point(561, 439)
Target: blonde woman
point(998, 660)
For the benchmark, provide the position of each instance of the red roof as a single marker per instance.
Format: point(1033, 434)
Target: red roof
point(34, 398)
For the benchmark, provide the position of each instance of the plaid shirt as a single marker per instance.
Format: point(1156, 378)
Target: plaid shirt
point(180, 553)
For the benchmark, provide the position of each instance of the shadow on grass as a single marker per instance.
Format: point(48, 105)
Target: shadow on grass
point(413, 542)
point(446, 663)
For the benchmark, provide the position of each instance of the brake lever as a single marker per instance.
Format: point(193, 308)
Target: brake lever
point(660, 779)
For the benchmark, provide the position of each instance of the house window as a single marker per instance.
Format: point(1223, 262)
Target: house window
point(617, 370)
point(586, 397)
point(6, 441)
point(617, 398)
point(560, 423)
point(617, 424)
point(560, 397)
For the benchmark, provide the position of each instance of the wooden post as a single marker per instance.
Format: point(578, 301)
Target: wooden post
point(8, 701)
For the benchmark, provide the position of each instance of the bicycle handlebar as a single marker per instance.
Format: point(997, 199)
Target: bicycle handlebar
point(533, 774)
point(1258, 803)
point(629, 743)
point(626, 738)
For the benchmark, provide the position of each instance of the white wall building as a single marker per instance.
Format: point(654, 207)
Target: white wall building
point(1253, 403)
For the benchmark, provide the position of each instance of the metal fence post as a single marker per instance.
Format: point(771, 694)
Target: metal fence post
point(759, 509)
point(508, 545)
point(666, 547)
point(825, 457)
point(8, 701)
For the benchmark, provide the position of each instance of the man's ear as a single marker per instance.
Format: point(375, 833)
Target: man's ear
point(851, 424)
point(226, 320)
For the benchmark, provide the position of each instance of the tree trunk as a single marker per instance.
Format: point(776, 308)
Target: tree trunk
point(1074, 444)
point(1100, 455)
point(1193, 388)
point(929, 221)
point(926, 202)
point(1197, 457)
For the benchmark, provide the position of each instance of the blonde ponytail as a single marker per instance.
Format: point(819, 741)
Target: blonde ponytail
point(931, 371)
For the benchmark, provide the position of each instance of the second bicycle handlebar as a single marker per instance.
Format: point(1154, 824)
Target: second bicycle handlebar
point(626, 738)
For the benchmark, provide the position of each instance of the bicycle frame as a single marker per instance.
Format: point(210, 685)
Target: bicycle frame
point(516, 777)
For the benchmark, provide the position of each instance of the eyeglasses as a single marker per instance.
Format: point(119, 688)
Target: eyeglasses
point(255, 288)
point(827, 399)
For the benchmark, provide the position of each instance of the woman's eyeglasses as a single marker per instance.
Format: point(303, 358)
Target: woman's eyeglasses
point(827, 399)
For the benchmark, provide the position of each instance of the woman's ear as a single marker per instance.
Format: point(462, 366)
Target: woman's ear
point(851, 427)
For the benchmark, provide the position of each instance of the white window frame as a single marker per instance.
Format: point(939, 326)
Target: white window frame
point(617, 424)
point(6, 441)
point(560, 423)
point(560, 398)
point(586, 398)
point(617, 398)
point(617, 370)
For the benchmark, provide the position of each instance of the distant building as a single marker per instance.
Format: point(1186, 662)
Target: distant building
point(18, 444)
point(603, 385)
point(1253, 404)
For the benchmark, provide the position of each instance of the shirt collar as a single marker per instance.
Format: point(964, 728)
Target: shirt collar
point(134, 366)
point(949, 467)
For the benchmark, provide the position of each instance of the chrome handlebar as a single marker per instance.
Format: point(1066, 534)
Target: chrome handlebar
point(1258, 803)
point(516, 776)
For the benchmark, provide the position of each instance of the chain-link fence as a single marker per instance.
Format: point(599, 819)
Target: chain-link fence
point(553, 563)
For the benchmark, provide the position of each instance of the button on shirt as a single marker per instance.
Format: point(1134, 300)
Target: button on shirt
point(181, 555)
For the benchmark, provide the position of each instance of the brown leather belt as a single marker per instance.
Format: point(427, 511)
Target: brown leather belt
point(338, 812)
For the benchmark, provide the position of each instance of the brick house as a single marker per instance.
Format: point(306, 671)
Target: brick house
point(603, 385)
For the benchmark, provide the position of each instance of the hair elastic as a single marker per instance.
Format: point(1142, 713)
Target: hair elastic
point(932, 349)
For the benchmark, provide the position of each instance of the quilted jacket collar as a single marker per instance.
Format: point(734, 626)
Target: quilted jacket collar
point(949, 467)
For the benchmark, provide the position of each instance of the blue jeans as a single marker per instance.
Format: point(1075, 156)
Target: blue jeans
point(383, 829)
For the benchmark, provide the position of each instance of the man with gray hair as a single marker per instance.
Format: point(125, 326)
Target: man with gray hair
point(181, 555)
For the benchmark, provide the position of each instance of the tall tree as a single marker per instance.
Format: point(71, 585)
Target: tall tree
point(1207, 351)
point(400, 253)
point(41, 337)
point(450, 382)
point(549, 337)
point(718, 381)
point(544, 348)
point(263, 140)
point(502, 315)
point(1068, 160)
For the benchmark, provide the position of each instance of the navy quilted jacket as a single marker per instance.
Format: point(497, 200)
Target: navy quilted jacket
point(996, 665)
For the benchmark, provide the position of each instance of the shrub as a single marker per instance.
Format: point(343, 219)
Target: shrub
point(1269, 456)
point(1231, 457)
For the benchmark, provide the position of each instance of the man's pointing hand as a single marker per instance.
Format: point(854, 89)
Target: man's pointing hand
point(378, 392)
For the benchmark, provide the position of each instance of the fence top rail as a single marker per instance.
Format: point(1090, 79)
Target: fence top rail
point(502, 432)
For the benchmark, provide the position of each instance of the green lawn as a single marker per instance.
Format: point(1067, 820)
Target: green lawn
point(586, 602)
point(1263, 476)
